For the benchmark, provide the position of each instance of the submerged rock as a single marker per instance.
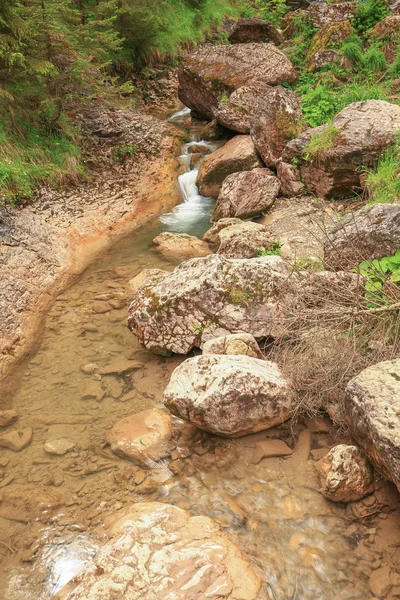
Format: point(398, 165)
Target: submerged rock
point(144, 437)
point(17, 439)
point(59, 446)
point(369, 233)
point(356, 138)
point(254, 30)
point(238, 154)
point(246, 194)
point(345, 475)
point(230, 396)
point(27, 502)
point(373, 416)
point(161, 551)
point(7, 417)
point(237, 343)
point(212, 72)
point(208, 297)
point(269, 449)
point(179, 246)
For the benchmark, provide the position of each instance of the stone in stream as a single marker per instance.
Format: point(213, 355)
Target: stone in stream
point(208, 297)
point(17, 439)
point(373, 416)
point(59, 446)
point(238, 154)
point(210, 73)
point(142, 277)
point(7, 417)
point(246, 194)
point(369, 233)
point(179, 246)
point(345, 475)
point(269, 449)
point(27, 502)
point(356, 138)
point(161, 551)
point(236, 343)
point(254, 30)
point(122, 365)
point(144, 437)
point(230, 396)
point(93, 391)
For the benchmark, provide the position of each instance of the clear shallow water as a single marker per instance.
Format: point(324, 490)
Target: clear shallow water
point(297, 538)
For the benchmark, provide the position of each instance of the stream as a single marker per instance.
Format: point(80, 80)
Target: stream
point(303, 543)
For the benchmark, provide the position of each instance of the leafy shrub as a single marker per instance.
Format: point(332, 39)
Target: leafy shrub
point(352, 49)
point(374, 60)
point(272, 10)
point(379, 273)
point(368, 14)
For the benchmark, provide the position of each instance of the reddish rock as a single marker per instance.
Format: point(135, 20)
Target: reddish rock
point(254, 30)
point(213, 72)
point(290, 178)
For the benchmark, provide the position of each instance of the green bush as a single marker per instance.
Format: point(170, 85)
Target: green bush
point(374, 60)
point(383, 184)
point(368, 14)
point(273, 250)
point(352, 49)
point(379, 273)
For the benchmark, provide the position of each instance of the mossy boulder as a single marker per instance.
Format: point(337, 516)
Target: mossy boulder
point(330, 35)
point(293, 23)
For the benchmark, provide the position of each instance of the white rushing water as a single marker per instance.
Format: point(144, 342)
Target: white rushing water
point(192, 215)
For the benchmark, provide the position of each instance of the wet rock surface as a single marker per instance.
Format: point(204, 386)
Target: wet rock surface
point(178, 246)
point(238, 154)
point(209, 73)
point(208, 297)
point(246, 194)
point(161, 550)
point(229, 395)
point(345, 475)
point(373, 416)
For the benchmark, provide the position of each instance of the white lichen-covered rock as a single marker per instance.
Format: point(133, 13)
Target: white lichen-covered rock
point(238, 154)
point(230, 395)
point(246, 194)
point(207, 297)
point(180, 246)
point(345, 475)
point(212, 72)
point(142, 277)
point(321, 13)
point(369, 233)
point(159, 551)
point(144, 437)
point(373, 416)
point(236, 343)
point(239, 239)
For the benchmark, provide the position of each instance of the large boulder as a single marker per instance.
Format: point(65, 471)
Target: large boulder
point(372, 232)
point(373, 416)
point(253, 101)
point(246, 194)
point(179, 246)
point(254, 30)
point(356, 138)
point(387, 29)
point(321, 13)
point(160, 551)
point(238, 154)
point(230, 395)
point(276, 124)
point(345, 475)
point(235, 343)
point(238, 239)
point(210, 73)
point(208, 297)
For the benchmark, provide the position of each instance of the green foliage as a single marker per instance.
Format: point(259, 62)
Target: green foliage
point(272, 10)
point(379, 273)
point(383, 183)
point(374, 60)
point(273, 250)
point(368, 14)
point(394, 69)
point(352, 49)
point(321, 142)
point(122, 153)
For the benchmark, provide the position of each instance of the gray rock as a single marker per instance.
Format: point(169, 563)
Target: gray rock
point(207, 297)
point(373, 416)
point(230, 396)
point(246, 194)
point(369, 233)
point(212, 72)
point(345, 475)
point(238, 154)
point(363, 130)
point(321, 13)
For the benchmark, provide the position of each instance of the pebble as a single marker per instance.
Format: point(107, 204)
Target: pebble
point(89, 368)
point(93, 391)
point(59, 447)
point(101, 307)
point(7, 417)
point(16, 440)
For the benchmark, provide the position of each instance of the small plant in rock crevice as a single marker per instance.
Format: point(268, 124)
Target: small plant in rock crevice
point(273, 250)
point(380, 274)
point(321, 142)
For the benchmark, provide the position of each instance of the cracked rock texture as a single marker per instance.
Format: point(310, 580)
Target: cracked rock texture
point(345, 475)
